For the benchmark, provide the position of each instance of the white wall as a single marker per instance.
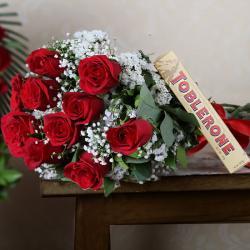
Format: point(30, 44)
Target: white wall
point(210, 36)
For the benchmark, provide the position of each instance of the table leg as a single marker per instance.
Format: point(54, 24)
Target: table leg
point(92, 232)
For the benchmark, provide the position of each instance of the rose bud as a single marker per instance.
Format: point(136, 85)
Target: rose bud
point(127, 138)
point(45, 62)
point(3, 87)
point(86, 173)
point(38, 94)
point(2, 33)
point(5, 58)
point(16, 128)
point(15, 99)
point(60, 129)
point(82, 107)
point(36, 153)
point(98, 74)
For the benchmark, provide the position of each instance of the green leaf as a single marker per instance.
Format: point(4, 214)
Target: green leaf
point(65, 179)
point(137, 155)
point(3, 182)
point(136, 160)
point(170, 161)
point(147, 108)
point(141, 171)
point(166, 128)
point(10, 175)
point(130, 92)
point(145, 56)
point(109, 186)
point(121, 163)
point(2, 162)
point(236, 112)
point(137, 100)
point(148, 78)
point(183, 115)
point(181, 156)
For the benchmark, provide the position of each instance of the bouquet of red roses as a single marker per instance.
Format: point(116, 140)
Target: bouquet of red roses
point(88, 114)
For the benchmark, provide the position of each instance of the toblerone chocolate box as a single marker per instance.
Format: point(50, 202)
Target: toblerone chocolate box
point(212, 126)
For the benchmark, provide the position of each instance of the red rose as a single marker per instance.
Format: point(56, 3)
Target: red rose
point(38, 94)
point(2, 33)
point(82, 107)
point(4, 58)
point(60, 129)
point(16, 128)
point(36, 153)
point(3, 87)
point(86, 173)
point(98, 74)
point(132, 134)
point(15, 100)
point(44, 62)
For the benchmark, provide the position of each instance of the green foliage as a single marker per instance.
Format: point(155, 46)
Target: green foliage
point(136, 160)
point(166, 128)
point(121, 162)
point(238, 112)
point(109, 186)
point(141, 171)
point(147, 108)
point(181, 156)
point(170, 161)
point(8, 176)
point(182, 115)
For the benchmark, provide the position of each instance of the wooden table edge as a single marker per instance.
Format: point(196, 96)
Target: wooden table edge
point(166, 184)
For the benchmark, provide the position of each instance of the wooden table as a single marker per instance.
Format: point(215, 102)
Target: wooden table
point(190, 197)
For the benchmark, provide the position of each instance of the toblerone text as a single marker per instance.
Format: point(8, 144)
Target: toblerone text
point(211, 125)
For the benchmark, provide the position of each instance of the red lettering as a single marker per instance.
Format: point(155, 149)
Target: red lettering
point(228, 148)
point(190, 96)
point(201, 112)
point(184, 87)
point(181, 76)
point(194, 104)
point(215, 130)
point(207, 121)
point(221, 140)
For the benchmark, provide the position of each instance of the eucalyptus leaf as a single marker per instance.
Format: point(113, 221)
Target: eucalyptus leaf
point(148, 78)
point(147, 108)
point(166, 129)
point(141, 171)
point(182, 115)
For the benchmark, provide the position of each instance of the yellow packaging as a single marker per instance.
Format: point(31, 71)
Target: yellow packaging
point(212, 126)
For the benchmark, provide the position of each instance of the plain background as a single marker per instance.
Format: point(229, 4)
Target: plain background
point(213, 40)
